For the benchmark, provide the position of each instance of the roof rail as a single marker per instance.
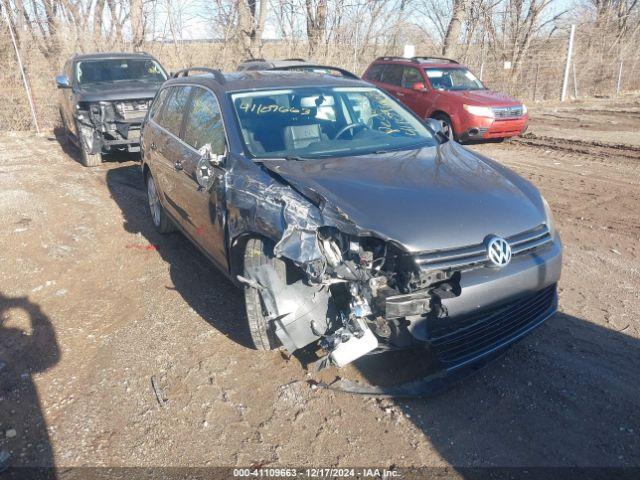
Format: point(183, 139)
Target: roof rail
point(309, 66)
point(294, 60)
point(431, 59)
point(253, 60)
point(393, 57)
point(217, 74)
point(418, 59)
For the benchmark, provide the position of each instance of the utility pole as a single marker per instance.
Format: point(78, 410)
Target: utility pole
point(22, 72)
point(567, 67)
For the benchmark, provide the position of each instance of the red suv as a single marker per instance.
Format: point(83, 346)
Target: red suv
point(441, 88)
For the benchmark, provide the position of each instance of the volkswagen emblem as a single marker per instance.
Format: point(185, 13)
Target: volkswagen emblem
point(498, 251)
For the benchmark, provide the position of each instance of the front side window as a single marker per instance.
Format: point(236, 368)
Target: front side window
point(171, 115)
point(453, 79)
point(119, 69)
point(411, 75)
point(203, 124)
point(315, 122)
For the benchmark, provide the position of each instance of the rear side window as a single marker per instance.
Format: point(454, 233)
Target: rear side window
point(411, 75)
point(171, 115)
point(393, 75)
point(375, 72)
point(203, 124)
point(156, 106)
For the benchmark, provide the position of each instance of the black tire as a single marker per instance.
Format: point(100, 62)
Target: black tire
point(447, 126)
point(90, 159)
point(66, 137)
point(257, 252)
point(159, 217)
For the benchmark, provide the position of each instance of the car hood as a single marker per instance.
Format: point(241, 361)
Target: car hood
point(429, 199)
point(485, 98)
point(121, 90)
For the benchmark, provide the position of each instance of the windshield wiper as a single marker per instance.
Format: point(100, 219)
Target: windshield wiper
point(292, 158)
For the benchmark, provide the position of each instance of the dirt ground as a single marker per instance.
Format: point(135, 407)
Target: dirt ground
point(122, 347)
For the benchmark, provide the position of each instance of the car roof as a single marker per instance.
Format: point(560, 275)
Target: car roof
point(432, 62)
point(265, 79)
point(109, 55)
point(262, 63)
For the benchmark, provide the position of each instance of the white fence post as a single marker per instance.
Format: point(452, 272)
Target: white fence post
point(567, 67)
point(619, 78)
point(24, 75)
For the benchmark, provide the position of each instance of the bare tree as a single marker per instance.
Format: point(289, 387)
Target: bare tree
point(452, 35)
point(252, 15)
point(137, 23)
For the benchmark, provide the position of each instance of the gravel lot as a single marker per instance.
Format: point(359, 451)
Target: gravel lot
point(121, 347)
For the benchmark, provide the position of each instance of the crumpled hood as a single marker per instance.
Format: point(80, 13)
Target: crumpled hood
point(121, 90)
point(485, 98)
point(429, 199)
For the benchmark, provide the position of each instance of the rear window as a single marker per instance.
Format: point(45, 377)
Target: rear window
point(375, 72)
point(158, 102)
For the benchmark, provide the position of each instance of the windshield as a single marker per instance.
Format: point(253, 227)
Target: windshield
point(113, 70)
point(326, 122)
point(453, 79)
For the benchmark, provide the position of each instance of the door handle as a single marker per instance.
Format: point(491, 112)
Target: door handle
point(153, 145)
point(400, 94)
point(178, 165)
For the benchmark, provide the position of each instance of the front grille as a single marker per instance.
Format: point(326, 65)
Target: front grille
point(133, 110)
point(463, 341)
point(501, 113)
point(474, 256)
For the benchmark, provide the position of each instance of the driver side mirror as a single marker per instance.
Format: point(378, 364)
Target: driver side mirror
point(419, 87)
point(213, 159)
point(436, 126)
point(62, 81)
point(204, 174)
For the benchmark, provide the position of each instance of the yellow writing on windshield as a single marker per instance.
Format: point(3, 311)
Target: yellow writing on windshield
point(260, 109)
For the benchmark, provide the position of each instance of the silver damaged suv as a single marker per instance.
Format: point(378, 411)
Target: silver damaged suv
point(348, 221)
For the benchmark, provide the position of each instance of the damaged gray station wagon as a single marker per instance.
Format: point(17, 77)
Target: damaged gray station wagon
point(348, 221)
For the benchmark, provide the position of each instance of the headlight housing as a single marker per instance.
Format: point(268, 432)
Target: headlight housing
point(548, 217)
point(524, 109)
point(479, 111)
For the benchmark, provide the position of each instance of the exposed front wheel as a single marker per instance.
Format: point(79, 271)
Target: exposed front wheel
point(86, 144)
point(159, 217)
point(257, 253)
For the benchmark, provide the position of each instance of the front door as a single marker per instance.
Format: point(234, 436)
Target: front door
point(414, 99)
point(202, 194)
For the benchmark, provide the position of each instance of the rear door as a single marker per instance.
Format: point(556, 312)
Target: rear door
point(203, 201)
point(392, 79)
point(170, 151)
